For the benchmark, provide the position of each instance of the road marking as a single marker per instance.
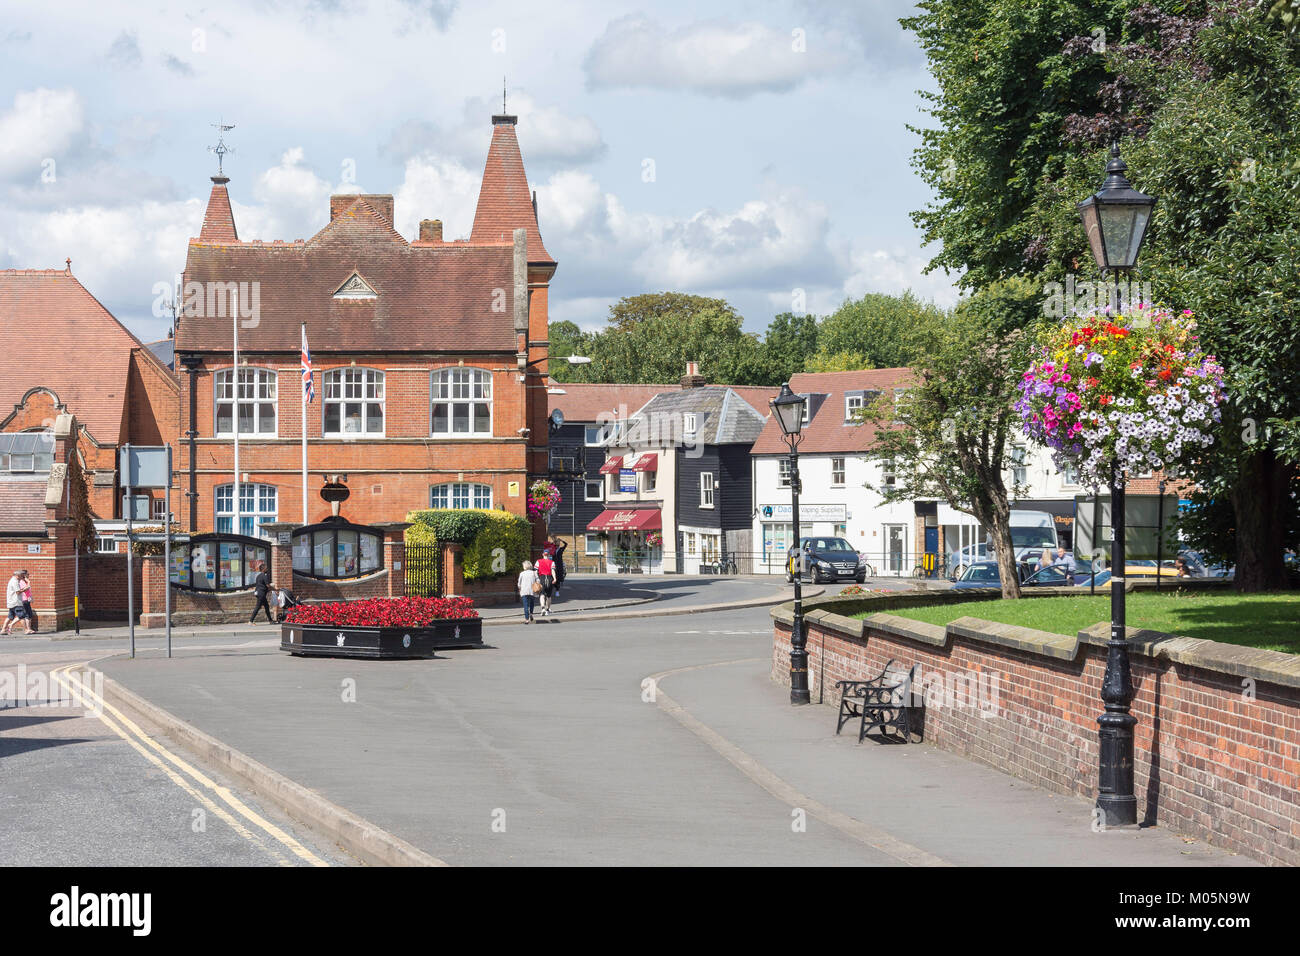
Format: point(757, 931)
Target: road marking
point(138, 739)
point(851, 826)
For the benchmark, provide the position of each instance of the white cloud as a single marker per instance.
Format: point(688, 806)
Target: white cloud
point(713, 56)
point(435, 188)
point(42, 124)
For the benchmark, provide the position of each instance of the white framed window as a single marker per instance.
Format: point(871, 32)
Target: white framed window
point(1069, 475)
point(852, 405)
point(593, 436)
point(354, 402)
point(783, 472)
point(1019, 473)
point(690, 424)
point(690, 542)
point(595, 490)
point(837, 472)
point(706, 489)
point(841, 531)
point(807, 411)
point(888, 475)
point(592, 544)
point(256, 402)
point(648, 480)
point(104, 544)
point(462, 402)
point(258, 505)
point(160, 509)
point(460, 495)
point(898, 398)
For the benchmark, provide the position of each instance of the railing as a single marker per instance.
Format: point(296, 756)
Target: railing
point(423, 570)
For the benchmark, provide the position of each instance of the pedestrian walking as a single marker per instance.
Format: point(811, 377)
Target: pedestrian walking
point(528, 588)
point(14, 602)
point(546, 577)
point(558, 558)
point(32, 626)
point(262, 585)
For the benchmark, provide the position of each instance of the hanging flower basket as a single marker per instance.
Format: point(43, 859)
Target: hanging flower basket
point(654, 539)
point(543, 500)
point(1128, 393)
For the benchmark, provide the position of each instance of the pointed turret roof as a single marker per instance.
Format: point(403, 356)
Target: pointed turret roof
point(219, 220)
point(504, 201)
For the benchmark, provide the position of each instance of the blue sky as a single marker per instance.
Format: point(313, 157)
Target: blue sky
point(745, 150)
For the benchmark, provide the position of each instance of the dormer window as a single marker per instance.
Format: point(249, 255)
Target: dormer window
point(355, 288)
point(690, 424)
point(852, 405)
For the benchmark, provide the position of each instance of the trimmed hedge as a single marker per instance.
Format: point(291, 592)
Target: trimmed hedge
point(482, 533)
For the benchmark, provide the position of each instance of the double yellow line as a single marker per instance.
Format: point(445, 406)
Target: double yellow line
point(156, 754)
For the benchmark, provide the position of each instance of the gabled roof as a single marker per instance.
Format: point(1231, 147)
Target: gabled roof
point(59, 337)
point(430, 297)
point(827, 431)
point(722, 418)
point(591, 402)
point(504, 201)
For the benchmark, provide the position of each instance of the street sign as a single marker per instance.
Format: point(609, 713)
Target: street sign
point(1141, 527)
point(144, 466)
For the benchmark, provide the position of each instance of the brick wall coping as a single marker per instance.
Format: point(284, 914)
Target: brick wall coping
point(1272, 667)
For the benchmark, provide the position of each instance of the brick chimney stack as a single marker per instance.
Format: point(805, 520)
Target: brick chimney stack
point(431, 230)
point(693, 378)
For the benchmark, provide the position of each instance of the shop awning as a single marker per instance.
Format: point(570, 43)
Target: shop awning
point(631, 519)
point(647, 462)
point(612, 466)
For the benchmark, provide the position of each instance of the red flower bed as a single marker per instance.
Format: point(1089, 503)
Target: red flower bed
point(384, 612)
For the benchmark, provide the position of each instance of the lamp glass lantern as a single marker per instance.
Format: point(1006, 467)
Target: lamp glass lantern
point(788, 409)
point(1115, 218)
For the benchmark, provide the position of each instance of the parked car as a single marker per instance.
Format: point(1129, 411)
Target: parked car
point(827, 559)
point(979, 574)
point(984, 574)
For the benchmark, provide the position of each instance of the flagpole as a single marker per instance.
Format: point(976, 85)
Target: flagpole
point(303, 396)
point(234, 375)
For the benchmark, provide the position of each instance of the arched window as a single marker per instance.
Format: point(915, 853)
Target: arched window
point(460, 494)
point(256, 401)
point(462, 402)
point(354, 401)
point(257, 507)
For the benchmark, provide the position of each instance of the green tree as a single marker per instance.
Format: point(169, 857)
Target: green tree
point(950, 440)
point(567, 339)
point(879, 328)
point(790, 341)
point(632, 309)
point(1220, 150)
point(1006, 85)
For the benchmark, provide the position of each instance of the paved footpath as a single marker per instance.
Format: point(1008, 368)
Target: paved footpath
point(545, 750)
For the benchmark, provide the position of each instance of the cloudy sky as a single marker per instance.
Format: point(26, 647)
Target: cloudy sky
point(746, 150)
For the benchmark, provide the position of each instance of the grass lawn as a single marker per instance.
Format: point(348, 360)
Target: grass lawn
point(1267, 621)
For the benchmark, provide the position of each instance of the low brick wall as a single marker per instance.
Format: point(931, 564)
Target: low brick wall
point(1218, 735)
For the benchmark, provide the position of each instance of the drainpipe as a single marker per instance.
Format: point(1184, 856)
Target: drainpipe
point(191, 362)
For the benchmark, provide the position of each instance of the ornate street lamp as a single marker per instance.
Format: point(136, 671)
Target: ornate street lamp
point(788, 409)
point(1115, 220)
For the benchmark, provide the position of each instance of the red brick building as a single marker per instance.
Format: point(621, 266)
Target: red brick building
point(429, 359)
point(71, 356)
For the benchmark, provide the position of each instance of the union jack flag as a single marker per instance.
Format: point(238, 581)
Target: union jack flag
point(308, 386)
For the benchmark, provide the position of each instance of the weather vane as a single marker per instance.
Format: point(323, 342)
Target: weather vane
point(221, 149)
point(503, 95)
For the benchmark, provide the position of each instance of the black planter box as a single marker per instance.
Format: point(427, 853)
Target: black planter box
point(319, 640)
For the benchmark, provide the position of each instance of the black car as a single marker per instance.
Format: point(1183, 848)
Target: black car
point(827, 559)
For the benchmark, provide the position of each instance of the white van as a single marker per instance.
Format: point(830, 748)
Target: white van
point(1031, 533)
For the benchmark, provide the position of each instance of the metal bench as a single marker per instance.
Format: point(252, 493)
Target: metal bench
point(878, 704)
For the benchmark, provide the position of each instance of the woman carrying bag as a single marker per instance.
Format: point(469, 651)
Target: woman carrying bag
point(528, 588)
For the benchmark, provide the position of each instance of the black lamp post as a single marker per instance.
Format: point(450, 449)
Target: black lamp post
point(788, 409)
point(1115, 220)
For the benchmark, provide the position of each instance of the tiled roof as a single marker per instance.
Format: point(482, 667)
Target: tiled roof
point(22, 507)
point(585, 402)
point(219, 220)
point(58, 336)
point(828, 431)
point(445, 296)
point(724, 417)
point(504, 202)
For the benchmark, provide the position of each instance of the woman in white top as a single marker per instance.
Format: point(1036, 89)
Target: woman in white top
point(527, 578)
point(14, 602)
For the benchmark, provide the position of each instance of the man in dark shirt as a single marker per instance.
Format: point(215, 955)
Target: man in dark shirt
point(261, 586)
